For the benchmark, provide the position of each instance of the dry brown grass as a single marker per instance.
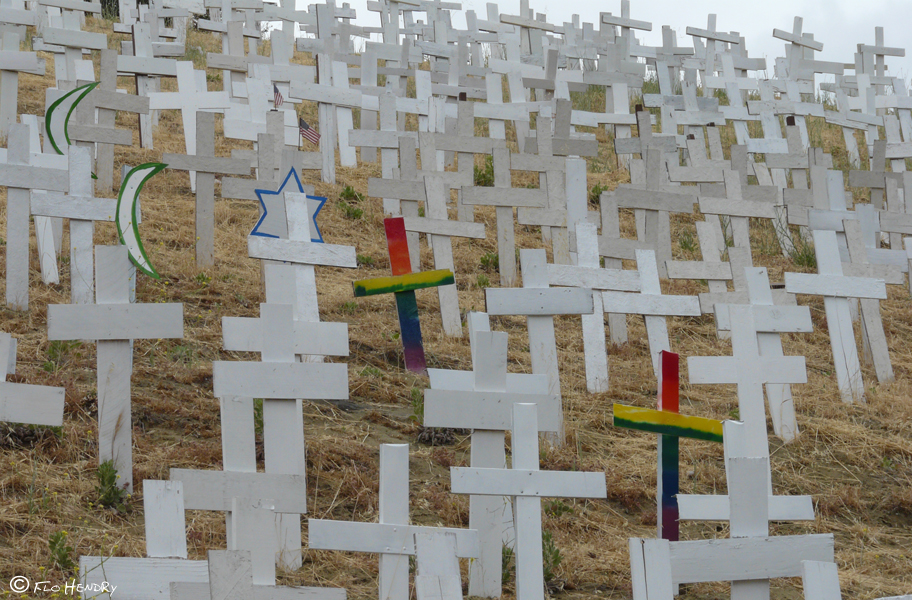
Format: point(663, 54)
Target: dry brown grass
point(856, 461)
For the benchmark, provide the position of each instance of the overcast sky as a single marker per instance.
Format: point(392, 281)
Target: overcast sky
point(839, 24)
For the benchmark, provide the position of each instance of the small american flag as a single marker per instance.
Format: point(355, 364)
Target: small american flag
point(277, 102)
point(308, 133)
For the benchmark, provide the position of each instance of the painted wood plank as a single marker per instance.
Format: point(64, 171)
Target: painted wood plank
point(54, 204)
point(682, 201)
point(683, 269)
point(201, 591)
point(835, 286)
point(408, 282)
point(505, 197)
point(820, 580)
point(115, 321)
point(650, 305)
point(527, 508)
point(206, 164)
point(250, 518)
point(737, 208)
point(771, 319)
point(485, 409)
point(301, 252)
point(242, 334)
point(717, 508)
point(163, 508)
point(538, 302)
point(213, 490)
point(281, 380)
point(445, 227)
point(514, 482)
point(747, 558)
point(438, 576)
point(725, 369)
point(595, 278)
point(380, 538)
point(32, 404)
point(403, 190)
point(149, 578)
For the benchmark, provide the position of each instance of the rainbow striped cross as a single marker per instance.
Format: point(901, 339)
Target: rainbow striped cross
point(670, 426)
point(403, 284)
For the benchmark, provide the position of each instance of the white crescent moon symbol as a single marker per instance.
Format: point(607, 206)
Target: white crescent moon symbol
point(127, 219)
point(58, 117)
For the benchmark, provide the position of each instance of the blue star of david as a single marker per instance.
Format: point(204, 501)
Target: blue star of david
point(272, 222)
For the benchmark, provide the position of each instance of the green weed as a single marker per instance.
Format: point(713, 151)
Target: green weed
point(551, 557)
point(416, 399)
point(485, 177)
point(506, 564)
point(352, 213)
point(110, 494)
point(490, 261)
point(61, 553)
point(595, 193)
point(687, 242)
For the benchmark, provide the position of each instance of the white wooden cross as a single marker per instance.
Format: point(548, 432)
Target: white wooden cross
point(393, 538)
point(504, 198)
point(20, 177)
point(231, 577)
point(109, 102)
point(749, 559)
point(652, 201)
point(83, 209)
point(465, 144)
point(166, 551)
point(528, 486)
point(282, 382)
point(552, 171)
point(771, 318)
point(14, 62)
point(295, 283)
point(482, 400)
point(247, 121)
point(740, 210)
point(650, 303)
point(540, 305)
point(205, 165)
point(750, 370)
point(113, 322)
point(191, 98)
point(716, 272)
point(587, 273)
point(48, 231)
point(836, 289)
point(439, 230)
point(72, 41)
point(437, 574)
point(646, 139)
point(875, 341)
point(23, 403)
point(253, 499)
point(144, 67)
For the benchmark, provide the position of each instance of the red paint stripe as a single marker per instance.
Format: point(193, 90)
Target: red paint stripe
point(669, 383)
point(397, 245)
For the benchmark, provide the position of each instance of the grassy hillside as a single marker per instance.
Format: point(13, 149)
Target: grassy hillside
point(856, 461)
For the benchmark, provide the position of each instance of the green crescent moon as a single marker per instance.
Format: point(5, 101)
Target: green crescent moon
point(127, 220)
point(56, 128)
